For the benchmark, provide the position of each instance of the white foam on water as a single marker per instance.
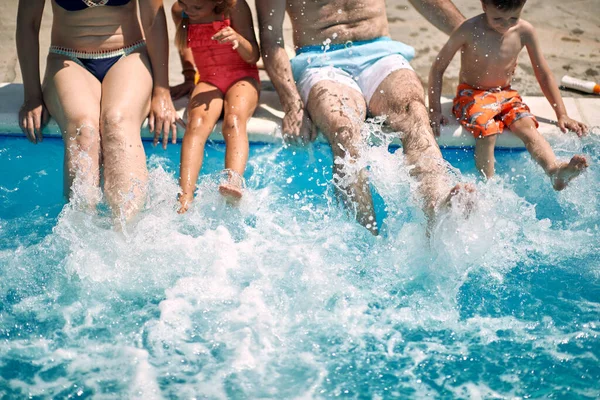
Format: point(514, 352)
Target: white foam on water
point(287, 297)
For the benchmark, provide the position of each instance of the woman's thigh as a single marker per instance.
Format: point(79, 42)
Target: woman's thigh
point(126, 91)
point(72, 95)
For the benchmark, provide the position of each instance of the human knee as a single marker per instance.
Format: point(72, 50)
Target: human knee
point(232, 122)
point(83, 132)
point(111, 124)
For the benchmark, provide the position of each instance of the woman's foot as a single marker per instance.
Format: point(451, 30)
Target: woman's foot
point(233, 185)
point(567, 171)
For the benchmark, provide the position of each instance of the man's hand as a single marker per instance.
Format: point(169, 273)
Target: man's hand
point(568, 124)
point(297, 127)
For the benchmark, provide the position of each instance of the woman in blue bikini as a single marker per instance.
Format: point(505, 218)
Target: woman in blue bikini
point(102, 80)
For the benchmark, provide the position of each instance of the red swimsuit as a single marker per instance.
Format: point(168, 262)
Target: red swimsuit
point(218, 64)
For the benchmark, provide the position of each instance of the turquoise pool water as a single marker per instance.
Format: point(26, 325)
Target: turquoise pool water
point(287, 297)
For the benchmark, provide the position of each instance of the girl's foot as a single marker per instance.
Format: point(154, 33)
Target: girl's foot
point(567, 171)
point(185, 203)
point(233, 185)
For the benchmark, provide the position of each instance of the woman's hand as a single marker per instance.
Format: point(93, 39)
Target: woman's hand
point(33, 116)
point(227, 35)
point(162, 117)
point(183, 89)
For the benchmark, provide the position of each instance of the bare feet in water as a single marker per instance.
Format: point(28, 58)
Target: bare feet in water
point(567, 171)
point(464, 192)
point(185, 202)
point(232, 187)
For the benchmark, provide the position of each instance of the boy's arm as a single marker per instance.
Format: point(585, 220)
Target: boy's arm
point(241, 22)
point(441, 13)
point(547, 82)
point(32, 115)
point(436, 76)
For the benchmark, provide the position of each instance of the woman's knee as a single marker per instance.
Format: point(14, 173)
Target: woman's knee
point(84, 132)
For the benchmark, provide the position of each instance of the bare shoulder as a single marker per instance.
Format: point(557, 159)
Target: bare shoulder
point(470, 26)
point(526, 30)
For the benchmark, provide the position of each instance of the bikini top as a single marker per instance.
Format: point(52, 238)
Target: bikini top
point(77, 5)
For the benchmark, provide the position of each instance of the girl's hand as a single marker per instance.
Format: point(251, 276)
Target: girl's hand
point(33, 116)
point(227, 35)
point(183, 89)
point(162, 117)
point(437, 119)
point(568, 124)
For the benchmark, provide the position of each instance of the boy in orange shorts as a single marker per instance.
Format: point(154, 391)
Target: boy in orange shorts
point(485, 104)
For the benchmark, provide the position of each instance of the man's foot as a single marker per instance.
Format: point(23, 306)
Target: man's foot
point(567, 171)
point(463, 194)
point(462, 191)
point(233, 185)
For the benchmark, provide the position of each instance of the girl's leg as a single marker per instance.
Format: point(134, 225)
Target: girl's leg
point(240, 102)
point(559, 172)
point(484, 155)
point(126, 91)
point(204, 110)
point(72, 96)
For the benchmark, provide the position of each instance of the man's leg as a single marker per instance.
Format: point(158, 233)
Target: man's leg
point(339, 112)
point(401, 98)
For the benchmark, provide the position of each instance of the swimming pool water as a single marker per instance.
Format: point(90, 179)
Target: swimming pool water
point(287, 297)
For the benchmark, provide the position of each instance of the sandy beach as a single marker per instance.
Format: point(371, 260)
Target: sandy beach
point(569, 34)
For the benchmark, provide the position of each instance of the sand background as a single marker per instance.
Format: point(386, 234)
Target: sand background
point(569, 33)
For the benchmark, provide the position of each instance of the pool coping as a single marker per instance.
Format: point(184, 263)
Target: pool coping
point(265, 125)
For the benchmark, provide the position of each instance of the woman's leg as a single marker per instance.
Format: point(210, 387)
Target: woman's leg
point(126, 92)
point(560, 172)
point(204, 110)
point(484, 155)
point(72, 96)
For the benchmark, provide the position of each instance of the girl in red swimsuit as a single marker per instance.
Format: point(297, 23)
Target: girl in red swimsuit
point(219, 36)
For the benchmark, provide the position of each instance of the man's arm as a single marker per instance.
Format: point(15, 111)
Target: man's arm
point(296, 124)
point(436, 76)
point(441, 13)
point(277, 63)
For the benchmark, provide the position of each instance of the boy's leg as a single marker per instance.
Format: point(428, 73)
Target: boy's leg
point(204, 110)
point(240, 102)
point(484, 155)
point(539, 148)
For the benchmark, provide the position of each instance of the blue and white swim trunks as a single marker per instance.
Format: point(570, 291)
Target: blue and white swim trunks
point(359, 65)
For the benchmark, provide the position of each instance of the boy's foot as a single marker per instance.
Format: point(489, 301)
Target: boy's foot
point(567, 171)
point(232, 186)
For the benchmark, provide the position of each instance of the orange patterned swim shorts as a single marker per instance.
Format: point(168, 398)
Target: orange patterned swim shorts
point(488, 112)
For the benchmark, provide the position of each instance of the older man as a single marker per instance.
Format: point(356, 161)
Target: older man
point(346, 65)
